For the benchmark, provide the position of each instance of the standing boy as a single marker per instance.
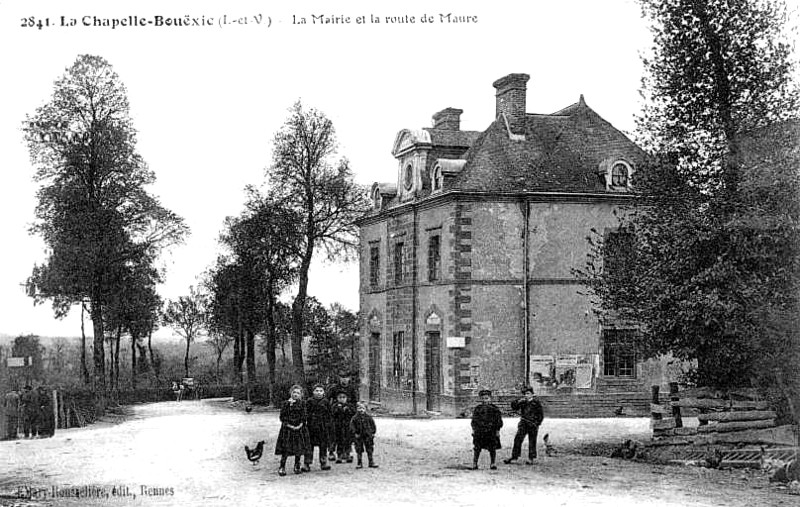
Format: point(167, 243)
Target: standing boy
point(362, 426)
point(343, 412)
point(319, 427)
point(486, 424)
point(530, 418)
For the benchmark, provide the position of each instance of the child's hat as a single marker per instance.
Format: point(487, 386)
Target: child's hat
point(527, 389)
point(361, 404)
point(484, 392)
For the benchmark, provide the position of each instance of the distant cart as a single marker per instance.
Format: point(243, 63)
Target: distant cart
point(191, 388)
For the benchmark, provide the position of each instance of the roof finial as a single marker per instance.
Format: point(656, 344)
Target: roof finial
point(581, 102)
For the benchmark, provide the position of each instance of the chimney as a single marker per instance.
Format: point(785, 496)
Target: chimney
point(510, 99)
point(448, 119)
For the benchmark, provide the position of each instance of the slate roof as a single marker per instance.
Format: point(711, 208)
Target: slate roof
point(561, 152)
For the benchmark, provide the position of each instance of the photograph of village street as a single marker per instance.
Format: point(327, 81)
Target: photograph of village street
point(351, 253)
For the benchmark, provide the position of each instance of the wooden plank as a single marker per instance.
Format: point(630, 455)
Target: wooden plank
point(686, 431)
point(704, 403)
point(738, 415)
point(666, 423)
point(724, 427)
point(659, 409)
point(701, 392)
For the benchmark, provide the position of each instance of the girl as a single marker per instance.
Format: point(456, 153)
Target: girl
point(293, 437)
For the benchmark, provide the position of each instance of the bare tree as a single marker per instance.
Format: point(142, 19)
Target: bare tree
point(187, 316)
point(322, 193)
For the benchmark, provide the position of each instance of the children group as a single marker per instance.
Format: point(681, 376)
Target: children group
point(333, 424)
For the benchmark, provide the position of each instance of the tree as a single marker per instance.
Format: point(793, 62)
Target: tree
point(322, 193)
point(188, 317)
point(265, 243)
point(218, 342)
point(709, 256)
point(93, 211)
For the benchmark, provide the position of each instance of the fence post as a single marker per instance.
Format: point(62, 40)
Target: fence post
point(55, 410)
point(676, 410)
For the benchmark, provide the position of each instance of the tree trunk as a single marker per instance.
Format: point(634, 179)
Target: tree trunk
point(271, 344)
point(133, 360)
point(99, 354)
point(116, 357)
point(84, 368)
point(251, 356)
point(152, 358)
point(298, 309)
point(186, 358)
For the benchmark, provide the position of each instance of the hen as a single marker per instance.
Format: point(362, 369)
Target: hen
point(255, 454)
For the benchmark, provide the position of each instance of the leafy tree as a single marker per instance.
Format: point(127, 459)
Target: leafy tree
point(188, 317)
point(322, 193)
point(225, 307)
point(265, 243)
point(93, 211)
point(714, 248)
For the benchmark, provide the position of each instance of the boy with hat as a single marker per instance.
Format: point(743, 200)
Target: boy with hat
point(362, 425)
point(486, 424)
point(530, 418)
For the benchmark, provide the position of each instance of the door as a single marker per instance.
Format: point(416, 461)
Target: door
point(375, 367)
point(433, 370)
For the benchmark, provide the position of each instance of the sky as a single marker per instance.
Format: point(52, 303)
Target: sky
point(206, 99)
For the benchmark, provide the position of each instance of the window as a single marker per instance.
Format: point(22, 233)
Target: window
point(397, 356)
point(618, 252)
point(374, 265)
point(398, 263)
point(619, 353)
point(408, 177)
point(620, 173)
point(434, 258)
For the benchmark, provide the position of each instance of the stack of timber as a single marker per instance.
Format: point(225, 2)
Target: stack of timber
point(732, 417)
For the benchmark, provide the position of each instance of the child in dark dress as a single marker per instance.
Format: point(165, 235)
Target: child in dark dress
point(293, 439)
point(343, 412)
point(362, 426)
point(319, 427)
point(486, 424)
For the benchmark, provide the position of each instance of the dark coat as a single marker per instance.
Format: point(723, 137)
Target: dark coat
point(486, 422)
point(362, 426)
point(320, 421)
point(293, 441)
point(342, 414)
point(530, 412)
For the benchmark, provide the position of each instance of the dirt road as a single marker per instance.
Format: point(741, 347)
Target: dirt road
point(192, 453)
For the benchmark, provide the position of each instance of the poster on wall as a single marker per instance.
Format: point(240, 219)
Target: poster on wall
point(542, 369)
point(566, 367)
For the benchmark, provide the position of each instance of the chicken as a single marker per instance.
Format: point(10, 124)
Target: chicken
point(248, 408)
point(549, 449)
point(619, 411)
point(255, 454)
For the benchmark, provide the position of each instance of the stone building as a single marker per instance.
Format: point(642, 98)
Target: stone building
point(466, 260)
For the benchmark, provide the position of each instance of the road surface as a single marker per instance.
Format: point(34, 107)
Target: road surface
point(192, 454)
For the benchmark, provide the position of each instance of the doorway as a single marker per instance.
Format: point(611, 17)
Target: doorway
point(375, 367)
point(433, 370)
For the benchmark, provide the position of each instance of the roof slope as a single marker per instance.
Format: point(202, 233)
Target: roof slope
point(560, 153)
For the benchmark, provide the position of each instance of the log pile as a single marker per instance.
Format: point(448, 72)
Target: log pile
point(731, 417)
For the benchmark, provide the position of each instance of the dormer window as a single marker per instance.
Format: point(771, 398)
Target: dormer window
point(436, 179)
point(620, 174)
point(408, 177)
